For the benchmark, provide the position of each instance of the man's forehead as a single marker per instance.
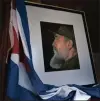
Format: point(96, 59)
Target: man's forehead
point(61, 37)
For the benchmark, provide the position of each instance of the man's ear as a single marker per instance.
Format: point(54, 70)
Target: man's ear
point(70, 44)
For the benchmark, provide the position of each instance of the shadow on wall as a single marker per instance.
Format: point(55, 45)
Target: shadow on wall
point(96, 57)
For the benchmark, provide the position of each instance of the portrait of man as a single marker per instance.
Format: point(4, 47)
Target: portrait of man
point(64, 55)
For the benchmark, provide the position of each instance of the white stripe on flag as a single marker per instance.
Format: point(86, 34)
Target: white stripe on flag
point(15, 58)
point(63, 92)
point(15, 21)
point(22, 35)
point(24, 79)
point(80, 95)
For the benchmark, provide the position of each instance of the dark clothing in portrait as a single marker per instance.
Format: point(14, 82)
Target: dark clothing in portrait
point(72, 63)
point(60, 64)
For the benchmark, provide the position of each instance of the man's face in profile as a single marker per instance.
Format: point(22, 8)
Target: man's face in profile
point(60, 45)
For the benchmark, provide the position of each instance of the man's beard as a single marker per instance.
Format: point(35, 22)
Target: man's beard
point(57, 60)
point(60, 55)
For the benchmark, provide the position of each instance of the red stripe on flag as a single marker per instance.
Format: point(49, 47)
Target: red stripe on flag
point(22, 56)
point(16, 43)
point(26, 65)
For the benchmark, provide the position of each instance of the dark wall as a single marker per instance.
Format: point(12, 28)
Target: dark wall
point(0, 15)
point(4, 45)
point(99, 25)
point(91, 8)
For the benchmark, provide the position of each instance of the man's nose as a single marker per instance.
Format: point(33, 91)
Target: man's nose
point(54, 43)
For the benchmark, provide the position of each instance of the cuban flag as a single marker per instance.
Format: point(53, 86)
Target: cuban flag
point(23, 82)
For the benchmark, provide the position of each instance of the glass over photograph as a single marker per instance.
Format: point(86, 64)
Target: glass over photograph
point(59, 47)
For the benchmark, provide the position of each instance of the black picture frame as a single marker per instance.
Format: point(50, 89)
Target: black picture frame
point(85, 26)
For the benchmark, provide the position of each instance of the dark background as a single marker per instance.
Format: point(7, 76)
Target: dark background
point(47, 41)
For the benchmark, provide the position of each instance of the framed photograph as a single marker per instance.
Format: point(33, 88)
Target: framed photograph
point(60, 45)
